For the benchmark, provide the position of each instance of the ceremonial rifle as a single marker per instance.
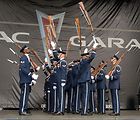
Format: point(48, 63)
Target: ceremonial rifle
point(98, 69)
point(85, 13)
point(88, 20)
point(78, 28)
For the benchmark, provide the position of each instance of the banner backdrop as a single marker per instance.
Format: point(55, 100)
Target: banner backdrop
point(116, 25)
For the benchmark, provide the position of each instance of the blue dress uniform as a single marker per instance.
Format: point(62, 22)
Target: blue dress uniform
point(101, 86)
point(25, 80)
point(92, 93)
point(62, 77)
point(84, 76)
point(114, 86)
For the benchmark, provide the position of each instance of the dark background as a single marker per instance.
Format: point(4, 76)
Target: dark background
point(110, 18)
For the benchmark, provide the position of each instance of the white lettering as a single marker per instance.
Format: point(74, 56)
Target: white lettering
point(136, 44)
point(111, 41)
point(73, 38)
point(116, 41)
point(14, 37)
point(4, 37)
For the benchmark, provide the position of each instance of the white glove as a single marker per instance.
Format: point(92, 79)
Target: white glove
point(54, 87)
point(92, 77)
point(63, 84)
point(107, 77)
point(34, 76)
point(53, 44)
point(50, 52)
point(86, 50)
point(38, 68)
point(33, 82)
point(95, 45)
point(46, 60)
point(43, 66)
point(60, 49)
point(93, 81)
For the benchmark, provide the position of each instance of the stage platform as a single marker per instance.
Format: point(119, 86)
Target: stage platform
point(39, 115)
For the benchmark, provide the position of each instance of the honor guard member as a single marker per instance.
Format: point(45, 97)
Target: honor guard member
point(84, 76)
point(53, 81)
point(50, 85)
point(101, 87)
point(92, 93)
point(62, 77)
point(27, 79)
point(75, 87)
point(114, 86)
point(47, 85)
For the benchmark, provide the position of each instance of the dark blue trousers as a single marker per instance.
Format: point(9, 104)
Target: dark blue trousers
point(75, 99)
point(68, 96)
point(101, 100)
point(92, 102)
point(54, 99)
point(84, 96)
point(60, 98)
point(115, 100)
point(24, 97)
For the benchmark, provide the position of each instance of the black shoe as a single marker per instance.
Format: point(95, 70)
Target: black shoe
point(85, 114)
point(117, 114)
point(29, 112)
point(77, 112)
point(24, 113)
point(90, 112)
point(114, 114)
point(59, 113)
point(102, 113)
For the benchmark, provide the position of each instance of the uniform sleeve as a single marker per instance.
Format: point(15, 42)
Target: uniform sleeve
point(116, 73)
point(92, 56)
point(101, 75)
point(23, 66)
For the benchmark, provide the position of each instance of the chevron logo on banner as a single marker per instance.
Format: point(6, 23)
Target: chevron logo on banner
point(50, 28)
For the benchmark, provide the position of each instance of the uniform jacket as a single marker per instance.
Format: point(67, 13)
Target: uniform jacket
point(24, 70)
point(75, 70)
point(84, 74)
point(62, 71)
point(114, 80)
point(69, 80)
point(101, 81)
